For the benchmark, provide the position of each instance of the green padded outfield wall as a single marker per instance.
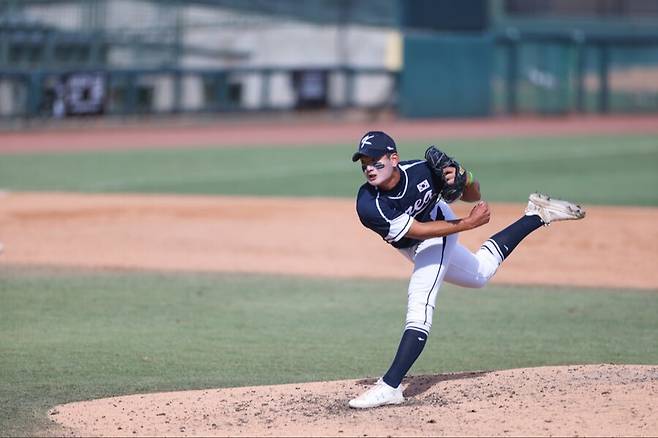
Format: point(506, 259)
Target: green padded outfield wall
point(446, 75)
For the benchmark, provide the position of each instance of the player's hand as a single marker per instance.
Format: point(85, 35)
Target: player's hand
point(479, 215)
point(449, 174)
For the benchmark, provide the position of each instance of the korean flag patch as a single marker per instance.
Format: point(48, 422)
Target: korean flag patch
point(423, 185)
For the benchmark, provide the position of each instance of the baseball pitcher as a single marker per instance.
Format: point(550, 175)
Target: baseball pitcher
point(407, 204)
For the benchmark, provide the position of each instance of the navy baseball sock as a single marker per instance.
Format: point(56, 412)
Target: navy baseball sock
point(507, 239)
point(411, 345)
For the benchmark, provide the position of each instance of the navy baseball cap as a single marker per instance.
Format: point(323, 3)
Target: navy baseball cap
point(374, 144)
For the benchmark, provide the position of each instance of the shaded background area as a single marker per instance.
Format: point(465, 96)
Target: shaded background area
point(67, 59)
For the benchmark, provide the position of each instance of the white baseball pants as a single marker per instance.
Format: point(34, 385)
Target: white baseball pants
point(443, 259)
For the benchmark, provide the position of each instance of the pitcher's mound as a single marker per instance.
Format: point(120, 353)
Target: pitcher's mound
point(610, 400)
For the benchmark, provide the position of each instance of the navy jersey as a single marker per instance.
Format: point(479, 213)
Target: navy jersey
point(391, 213)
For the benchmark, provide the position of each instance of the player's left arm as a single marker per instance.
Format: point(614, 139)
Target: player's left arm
point(471, 191)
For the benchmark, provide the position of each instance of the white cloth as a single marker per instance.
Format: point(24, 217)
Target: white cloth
point(442, 259)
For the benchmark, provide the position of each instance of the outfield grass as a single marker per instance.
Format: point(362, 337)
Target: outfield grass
point(589, 169)
point(70, 335)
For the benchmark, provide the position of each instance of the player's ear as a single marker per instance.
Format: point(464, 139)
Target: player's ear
point(395, 158)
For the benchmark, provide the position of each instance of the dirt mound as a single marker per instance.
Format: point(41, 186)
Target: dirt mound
point(590, 400)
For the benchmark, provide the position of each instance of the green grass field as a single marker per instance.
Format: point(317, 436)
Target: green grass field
point(70, 335)
point(589, 169)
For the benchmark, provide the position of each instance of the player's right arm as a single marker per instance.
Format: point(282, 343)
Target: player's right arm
point(478, 216)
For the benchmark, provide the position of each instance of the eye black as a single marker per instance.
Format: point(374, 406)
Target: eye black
point(378, 165)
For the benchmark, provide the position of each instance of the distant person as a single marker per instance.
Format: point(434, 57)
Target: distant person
point(406, 203)
point(59, 107)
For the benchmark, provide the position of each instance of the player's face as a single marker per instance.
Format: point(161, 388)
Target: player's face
point(378, 171)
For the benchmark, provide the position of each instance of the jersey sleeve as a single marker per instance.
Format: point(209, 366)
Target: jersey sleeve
point(380, 217)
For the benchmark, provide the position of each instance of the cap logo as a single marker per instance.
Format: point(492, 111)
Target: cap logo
point(364, 141)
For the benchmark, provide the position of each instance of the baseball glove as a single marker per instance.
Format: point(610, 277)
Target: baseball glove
point(438, 161)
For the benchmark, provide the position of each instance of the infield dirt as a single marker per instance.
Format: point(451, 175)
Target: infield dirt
point(232, 234)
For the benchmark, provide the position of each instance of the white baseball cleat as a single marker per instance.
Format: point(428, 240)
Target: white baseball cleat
point(552, 210)
point(379, 395)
